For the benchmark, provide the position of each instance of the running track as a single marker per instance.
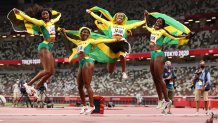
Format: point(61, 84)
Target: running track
point(114, 115)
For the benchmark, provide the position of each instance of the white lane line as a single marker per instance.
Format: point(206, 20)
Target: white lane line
point(177, 115)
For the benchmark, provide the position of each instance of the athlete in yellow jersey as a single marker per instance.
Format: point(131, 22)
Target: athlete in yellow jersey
point(118, 28)
point(47, 28)
point(158, 33)
point(86, 64)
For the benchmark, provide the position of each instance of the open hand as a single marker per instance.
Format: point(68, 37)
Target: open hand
point(145, 13)
point(62, 30)
point(16, 11)
point(88, 11)
point(188, 36)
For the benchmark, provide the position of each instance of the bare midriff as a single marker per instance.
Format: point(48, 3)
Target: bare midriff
point(153, 46)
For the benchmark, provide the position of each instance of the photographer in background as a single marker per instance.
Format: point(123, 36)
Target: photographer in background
point(202, 84)
point(16, 93)
point(169, 77)
point(41, 93)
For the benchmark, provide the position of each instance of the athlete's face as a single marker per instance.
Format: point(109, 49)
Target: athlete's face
point(119, 18)
point(45, 16)
point(84, 34)
point(158, 24)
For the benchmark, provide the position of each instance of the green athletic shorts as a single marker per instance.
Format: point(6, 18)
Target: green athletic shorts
point(45, 44)
point(157, 53)
point(83, 61)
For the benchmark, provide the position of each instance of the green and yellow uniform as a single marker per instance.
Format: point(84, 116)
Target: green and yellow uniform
point(86, 48)
point(157, 37)
point(33, 25)
point(118, 30)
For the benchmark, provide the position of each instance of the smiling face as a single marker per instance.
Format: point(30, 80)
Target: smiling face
point(84, 34)
point(119, 18)
point(45, 16)
point(159, 24)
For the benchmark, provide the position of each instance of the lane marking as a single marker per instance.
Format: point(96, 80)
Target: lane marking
point(177, 115)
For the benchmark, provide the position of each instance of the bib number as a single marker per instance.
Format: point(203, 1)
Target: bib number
point(80, 49)
point(117, 31)
point(153, 38)
point(51, 29)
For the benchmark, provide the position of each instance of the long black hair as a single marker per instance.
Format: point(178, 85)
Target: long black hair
point(35, 11)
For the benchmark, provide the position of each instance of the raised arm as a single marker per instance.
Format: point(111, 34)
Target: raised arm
point(70, 39)
point(98, 18)
point(28, 18)
point(136, 24)
point(56, 13)
point(145, 18)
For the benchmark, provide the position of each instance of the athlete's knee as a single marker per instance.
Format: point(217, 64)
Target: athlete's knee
point(88, 86)
point(48, 72)
point(110, 68)
point(80, 87)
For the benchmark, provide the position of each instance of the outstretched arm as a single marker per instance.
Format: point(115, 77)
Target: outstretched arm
point(172, 36)
point(28, 18)
point(56, 13)
point(130, 26)
point(97, 17)
point(70, 39)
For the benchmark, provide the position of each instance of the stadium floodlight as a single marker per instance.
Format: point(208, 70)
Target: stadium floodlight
point(4, 36)
point(186, 22)
point(197, 21)
point(213, 18)
point(23, 36)
point(190, 20)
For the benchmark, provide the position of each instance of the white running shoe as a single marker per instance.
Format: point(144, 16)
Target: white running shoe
point(166, 104)
point(35, 93)
point(124, 75)
point(160, 104)
point(89, 110)
point(28, 89)
point(83, 109)
point(211, 114)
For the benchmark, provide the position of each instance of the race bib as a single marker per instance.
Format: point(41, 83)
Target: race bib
point(153, 38)
point(200, 83)
point(80, 49)
point(117, 31)
point(51, 29)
